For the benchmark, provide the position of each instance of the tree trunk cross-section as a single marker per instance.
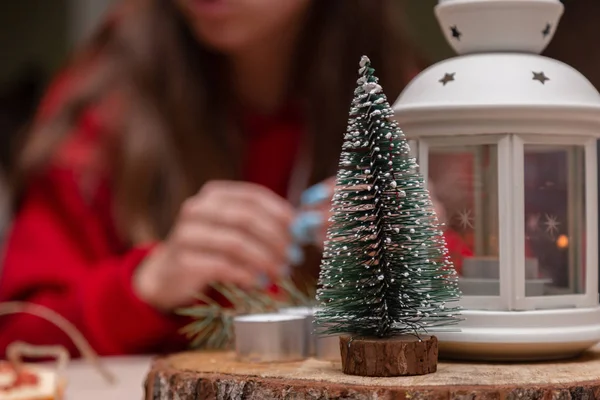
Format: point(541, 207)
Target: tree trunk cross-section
point(398, 356)
point(219, 376)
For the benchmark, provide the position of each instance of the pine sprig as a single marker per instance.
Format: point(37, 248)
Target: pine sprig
point(385, 269)
point(212, 326)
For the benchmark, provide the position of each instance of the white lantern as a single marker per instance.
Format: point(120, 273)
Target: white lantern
point(507, 139)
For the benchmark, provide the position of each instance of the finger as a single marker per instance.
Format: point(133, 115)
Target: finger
point(211, 268)
point(234, 245)
point(258, 197)
point(306, 225)
point(272, 236)
point(237, 275)
point(319, 193)
point(247, 207)
point(295, 257)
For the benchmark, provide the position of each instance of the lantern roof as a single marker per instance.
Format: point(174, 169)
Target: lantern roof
point(499, 83)
point(490, 80)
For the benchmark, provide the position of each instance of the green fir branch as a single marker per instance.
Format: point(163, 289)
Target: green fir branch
point(212, 325)
point(298, 297)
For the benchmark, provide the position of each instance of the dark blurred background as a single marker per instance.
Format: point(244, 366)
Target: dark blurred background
point(35, 38)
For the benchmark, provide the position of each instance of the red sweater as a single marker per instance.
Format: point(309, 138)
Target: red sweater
point(64, 253)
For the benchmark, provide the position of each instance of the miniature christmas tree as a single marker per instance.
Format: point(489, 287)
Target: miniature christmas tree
point(385, 276)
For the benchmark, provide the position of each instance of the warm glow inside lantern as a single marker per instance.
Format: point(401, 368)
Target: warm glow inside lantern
point(507, 139)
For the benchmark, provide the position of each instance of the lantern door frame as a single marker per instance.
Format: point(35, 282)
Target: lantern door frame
point(590, 296)
point(503, 145)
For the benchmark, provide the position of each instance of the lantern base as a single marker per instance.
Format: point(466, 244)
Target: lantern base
point(521, 335)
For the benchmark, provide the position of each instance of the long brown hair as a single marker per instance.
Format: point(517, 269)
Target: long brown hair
point(175, 128)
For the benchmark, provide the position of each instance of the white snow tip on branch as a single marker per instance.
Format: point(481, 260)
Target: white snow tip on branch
point(372, 88)
point(364, 60)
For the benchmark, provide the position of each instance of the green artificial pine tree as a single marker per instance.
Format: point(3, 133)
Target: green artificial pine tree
point(385, 270)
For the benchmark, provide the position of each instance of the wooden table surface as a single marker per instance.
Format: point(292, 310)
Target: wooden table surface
point(219, 376)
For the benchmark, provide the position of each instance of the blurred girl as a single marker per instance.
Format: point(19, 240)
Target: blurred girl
point(171, 153)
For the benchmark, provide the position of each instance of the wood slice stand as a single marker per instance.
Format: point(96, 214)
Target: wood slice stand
point(207, 376)
point(386, 357)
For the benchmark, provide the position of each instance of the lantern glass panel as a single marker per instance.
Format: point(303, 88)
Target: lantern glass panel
point(554, 179)
point(464, 182)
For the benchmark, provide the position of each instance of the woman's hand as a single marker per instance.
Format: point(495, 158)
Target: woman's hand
point(230, 232)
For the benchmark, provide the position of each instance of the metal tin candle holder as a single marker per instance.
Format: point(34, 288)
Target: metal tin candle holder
point(308, 314)
point(328, 348)
point(270, 337)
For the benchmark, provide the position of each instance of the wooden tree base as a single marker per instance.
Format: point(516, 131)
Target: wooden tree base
point(397, 356)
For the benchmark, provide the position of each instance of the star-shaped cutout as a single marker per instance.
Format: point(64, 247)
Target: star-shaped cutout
point(540, 76)
point(456, 34)
point(547, 30)
point(465, 219)
point(447, 78)
point(551, 225)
